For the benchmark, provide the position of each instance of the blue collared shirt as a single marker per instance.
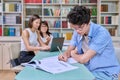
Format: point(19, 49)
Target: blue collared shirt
point(100, 41)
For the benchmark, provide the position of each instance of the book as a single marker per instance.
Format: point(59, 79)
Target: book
point(64, 24)
point(31, 11)
point(11, 31)
point(17, 31)
point(104, 8)
point(112, 31)
point(68, 35)
point(6, 31)
point(51, 65)
point(93, 1)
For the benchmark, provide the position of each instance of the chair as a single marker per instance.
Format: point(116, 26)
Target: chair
point(14, 53)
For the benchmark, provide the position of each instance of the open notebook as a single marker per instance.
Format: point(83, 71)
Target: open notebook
point(50, 65)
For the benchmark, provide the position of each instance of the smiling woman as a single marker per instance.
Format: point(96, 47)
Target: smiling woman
point(45, 35)
point(30, 41)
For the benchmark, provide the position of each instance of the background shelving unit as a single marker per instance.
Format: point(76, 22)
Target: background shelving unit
point(12, 17)
point(1, 17)
point(55, 11)
point(109, 16)
point(11, 24)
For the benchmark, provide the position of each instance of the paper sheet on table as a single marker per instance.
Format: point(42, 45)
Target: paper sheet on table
point(70, 60)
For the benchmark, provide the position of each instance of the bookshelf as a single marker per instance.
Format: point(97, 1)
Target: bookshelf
point(109, 16)
point(55, 11)
point(0, 18)
point(11, 17)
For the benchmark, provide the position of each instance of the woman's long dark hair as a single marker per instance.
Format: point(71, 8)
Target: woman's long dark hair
point(33, 17)
point(45, 23)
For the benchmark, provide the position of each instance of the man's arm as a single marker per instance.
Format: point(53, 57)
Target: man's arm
point(83, 58)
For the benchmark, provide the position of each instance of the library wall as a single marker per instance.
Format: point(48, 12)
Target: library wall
point(11, 17)
point(14, 15)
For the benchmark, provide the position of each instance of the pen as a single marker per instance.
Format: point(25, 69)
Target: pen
point(59, 49)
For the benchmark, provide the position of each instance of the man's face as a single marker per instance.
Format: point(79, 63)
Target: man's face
point(81, 29)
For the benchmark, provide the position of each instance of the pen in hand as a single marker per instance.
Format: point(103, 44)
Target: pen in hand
point(60, 52)
point(59, 49)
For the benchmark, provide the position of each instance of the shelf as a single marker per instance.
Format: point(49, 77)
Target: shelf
point(110, 0)
point(51, 4)
point(12, 16)
point(12, 12)
point(69, 4)
point(64, 8)
point(109, 12)
point(12, 0)
point(55, 28)
point(89, 4)
point(10, 39)
point(51, 16)
point(12, 24)
point(109, 25)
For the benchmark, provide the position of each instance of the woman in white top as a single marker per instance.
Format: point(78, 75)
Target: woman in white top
point(45, 35)
point(30, 39)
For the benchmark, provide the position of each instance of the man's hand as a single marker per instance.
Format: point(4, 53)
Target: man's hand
point(75, 55)
point(63, 57)
point(73, 52)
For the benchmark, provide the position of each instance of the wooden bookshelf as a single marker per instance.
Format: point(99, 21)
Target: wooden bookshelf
point(11, 18)
point(109, 16)
point(104, 12)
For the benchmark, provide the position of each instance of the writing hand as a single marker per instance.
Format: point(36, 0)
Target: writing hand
point(62, 57)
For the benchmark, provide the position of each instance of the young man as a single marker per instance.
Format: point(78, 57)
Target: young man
point(91, 45)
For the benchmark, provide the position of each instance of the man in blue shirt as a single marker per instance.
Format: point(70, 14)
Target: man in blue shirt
point(91, 45)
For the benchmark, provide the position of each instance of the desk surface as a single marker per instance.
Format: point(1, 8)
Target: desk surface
point(29, 73)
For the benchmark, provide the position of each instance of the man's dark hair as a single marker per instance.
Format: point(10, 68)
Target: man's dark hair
point(33, 17)
point(79, 15)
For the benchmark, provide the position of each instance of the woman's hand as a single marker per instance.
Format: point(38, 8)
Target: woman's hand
point(45, 48)
point(48, 38)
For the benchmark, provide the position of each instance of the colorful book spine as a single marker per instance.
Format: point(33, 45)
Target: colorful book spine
point(6, 31)
point(33, 1)
point(11, 31)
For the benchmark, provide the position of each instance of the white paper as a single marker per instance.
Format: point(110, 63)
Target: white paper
point(52, 65)
point(70, 60)
point(55, 66)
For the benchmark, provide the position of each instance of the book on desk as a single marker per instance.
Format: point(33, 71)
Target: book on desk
point(51, 65)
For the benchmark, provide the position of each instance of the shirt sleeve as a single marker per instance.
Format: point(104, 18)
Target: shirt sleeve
point(73, 40)
point(100, 41)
